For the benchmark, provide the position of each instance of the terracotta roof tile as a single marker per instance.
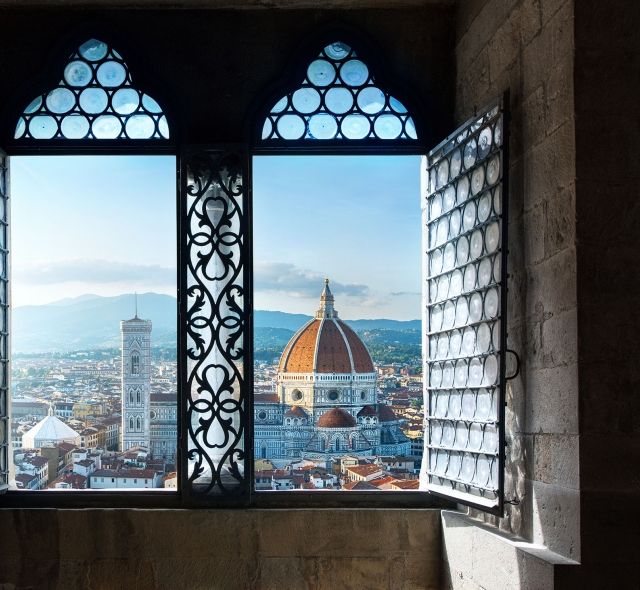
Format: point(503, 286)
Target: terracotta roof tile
point(361, 358)
point(336, 418)
point(298, 358)
point(333, 355)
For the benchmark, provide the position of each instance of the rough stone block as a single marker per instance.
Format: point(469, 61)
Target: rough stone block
point(560, 221)
point(504, 45)
point(552, 399)
point(552, 46)
point(550, 166)
point(533, 117)
point(353, 573)
point(556, 518)
point(534, 234)
point(551, 284)
point(287, 572)
point(559, 97)
point(560, 339)
point(556, 459)
point(530, 20)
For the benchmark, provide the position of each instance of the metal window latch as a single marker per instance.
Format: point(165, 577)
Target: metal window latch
point(517, 371)
point(513, 501)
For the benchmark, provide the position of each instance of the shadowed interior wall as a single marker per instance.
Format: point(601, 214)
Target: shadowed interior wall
point(226, 549)
point(607, 81)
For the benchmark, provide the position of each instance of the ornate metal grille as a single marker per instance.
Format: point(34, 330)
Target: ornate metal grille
point(5, 430)
point(93, 100)
point(338, 99)
point(465, 292)
point(216, 319)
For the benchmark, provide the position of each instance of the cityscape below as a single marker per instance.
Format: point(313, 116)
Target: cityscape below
point(328, 413)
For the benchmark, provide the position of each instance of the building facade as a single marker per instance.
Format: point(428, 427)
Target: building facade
point(136, 382)
point(164, 425)
point(325, 402)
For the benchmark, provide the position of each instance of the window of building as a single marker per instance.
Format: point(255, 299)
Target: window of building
point(339, 107)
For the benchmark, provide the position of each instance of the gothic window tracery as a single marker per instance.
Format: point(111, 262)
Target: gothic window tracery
point(94, 99)
point(339, 99)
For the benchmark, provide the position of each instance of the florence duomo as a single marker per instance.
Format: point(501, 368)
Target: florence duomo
point(325, 402)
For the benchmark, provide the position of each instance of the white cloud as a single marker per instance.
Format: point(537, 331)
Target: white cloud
point(291, 280)
point(93, 272)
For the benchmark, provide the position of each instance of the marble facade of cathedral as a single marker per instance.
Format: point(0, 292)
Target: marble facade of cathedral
point(325, 401)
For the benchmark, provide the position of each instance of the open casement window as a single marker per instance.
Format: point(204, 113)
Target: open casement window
point(215, 277)
point(5, 426)
point(464, 292)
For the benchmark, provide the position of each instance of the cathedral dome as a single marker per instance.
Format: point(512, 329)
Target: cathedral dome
point(336, 418)
point(325, 345)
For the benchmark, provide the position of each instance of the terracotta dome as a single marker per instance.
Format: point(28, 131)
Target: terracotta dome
point(296, 412)
point(326, 345)
point(336, 418)
point(367, 411)
point(386, 414)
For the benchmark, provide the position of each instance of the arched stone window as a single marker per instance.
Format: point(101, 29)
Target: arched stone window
point(338, 99)
point(94, 99)
point(135, 363)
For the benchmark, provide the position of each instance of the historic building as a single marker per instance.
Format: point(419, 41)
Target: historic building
point(136, 382)
point(148, 420)
point(325, 401)
point(164, 425)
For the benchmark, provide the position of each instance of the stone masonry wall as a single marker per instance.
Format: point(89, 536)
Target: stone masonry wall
point(223, 549)
point(527, 46)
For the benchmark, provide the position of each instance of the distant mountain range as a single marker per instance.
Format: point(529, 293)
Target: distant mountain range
point(92, 321)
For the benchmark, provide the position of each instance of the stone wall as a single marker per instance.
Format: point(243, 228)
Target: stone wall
point(527, 46)
point(224, 549)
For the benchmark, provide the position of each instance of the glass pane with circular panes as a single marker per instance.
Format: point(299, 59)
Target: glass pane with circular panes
point(338, 99)
point(465, 303)
point(94, 99)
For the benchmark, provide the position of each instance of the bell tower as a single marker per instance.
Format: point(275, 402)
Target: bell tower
point(136, 381)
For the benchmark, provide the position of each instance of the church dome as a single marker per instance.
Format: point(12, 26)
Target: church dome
point(295, 412)
point(336, 418)
point(386, 414)
point(367, 411)
point(325, 345)
point(49, 431)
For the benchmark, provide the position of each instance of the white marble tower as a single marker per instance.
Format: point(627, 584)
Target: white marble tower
point(136, 381)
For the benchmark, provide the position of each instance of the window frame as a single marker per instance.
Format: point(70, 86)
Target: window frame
point(250, 148)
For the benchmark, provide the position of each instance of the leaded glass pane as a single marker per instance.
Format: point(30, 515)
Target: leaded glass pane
point(338, 100)
point(94, 99)
point(4, 305)
point(215, 322)
point(464, 310)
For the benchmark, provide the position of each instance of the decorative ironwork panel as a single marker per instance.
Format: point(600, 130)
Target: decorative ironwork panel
point(5, 427)
point(93, 100)
point(338, 99)
point(465, 297)
point(216, 319)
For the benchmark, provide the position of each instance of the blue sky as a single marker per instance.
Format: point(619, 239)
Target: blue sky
point(353, 219)
point(89, 224)
point(106, 225)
